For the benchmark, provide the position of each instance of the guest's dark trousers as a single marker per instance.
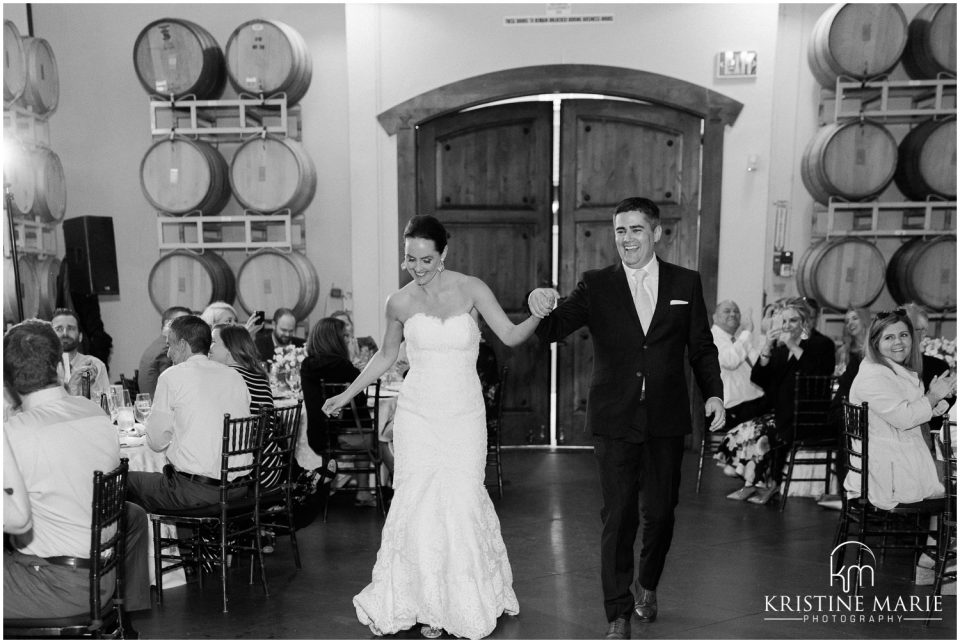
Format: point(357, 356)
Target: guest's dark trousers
point(638, 482)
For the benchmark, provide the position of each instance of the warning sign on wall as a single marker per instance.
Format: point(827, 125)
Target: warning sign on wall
point(513, 21)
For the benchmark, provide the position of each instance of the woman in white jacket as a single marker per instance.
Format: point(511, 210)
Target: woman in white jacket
point(901, 467)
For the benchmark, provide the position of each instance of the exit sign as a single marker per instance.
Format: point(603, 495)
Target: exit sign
point(736, 64)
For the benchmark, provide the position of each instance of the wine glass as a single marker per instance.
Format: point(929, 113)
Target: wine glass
point(142, 407)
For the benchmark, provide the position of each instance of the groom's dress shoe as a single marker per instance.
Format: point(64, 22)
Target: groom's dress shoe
point(619, 628)
point(646, 606)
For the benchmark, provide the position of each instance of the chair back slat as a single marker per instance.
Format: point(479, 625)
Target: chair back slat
point(107, 536)
point(241, 437)
point(812, 395)
point(856, 436)
point(281, 428)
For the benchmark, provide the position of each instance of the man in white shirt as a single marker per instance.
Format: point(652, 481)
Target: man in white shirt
point(74, 364)
point(58, 441)
point(742, 399)
point(186, 422)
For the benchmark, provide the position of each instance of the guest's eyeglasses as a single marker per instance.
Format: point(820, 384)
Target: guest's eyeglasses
point(896, 312)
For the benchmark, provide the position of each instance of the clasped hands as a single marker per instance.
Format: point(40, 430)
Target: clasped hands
point(542, 301)
point(942, 386)
point(333, 405)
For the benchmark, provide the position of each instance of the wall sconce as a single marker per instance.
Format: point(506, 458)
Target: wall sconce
point(752, 162)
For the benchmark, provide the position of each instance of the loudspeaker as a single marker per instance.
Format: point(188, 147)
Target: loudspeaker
point(91, 255)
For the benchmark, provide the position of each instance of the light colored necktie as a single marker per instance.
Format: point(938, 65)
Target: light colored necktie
point(643, 300)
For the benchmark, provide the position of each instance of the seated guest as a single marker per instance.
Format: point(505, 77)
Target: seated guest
point(284, 325)
point(154, 359)
point(74, 365)
point(794, 348)
point(58, 441)
point(187, 421)
point(742, 399)
point(231, 345)
point(361, 348)
point(328, 360)
point(901, 468)
point(220, 312)
point(856, 321)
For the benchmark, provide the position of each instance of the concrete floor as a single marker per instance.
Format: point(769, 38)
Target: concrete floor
point(727, 558)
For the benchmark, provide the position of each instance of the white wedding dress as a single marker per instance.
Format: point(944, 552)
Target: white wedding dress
point(442, 561)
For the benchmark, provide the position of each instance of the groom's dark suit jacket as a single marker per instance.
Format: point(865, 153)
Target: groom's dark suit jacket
point(624, 356)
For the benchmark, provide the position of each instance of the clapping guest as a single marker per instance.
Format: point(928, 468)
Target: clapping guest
point(230, 344)
point(154, 359)
point(901, 468)
point(74, 365)
point(930, 364)
point(361, 348)
point(792, 348)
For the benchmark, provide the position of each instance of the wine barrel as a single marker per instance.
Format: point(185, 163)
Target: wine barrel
point(856, 40)
point(927, 160)
point(175, 58)
point(181, 175)
point(185, 278)
point(924, 271)
point(14, 63)
point(271, 279)
point(841, 273)
point(854, 160)
point(932, 42)
point(20, 174)
point(29, 285)
point(268, 57)
point(273, 173)
point(42, 90)
point(47, 270)
point(50, 203)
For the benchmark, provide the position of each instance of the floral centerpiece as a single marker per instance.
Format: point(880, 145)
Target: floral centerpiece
point(285, 369)
point(945, 349)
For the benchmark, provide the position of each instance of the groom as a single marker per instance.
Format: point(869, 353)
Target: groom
point(644, 315)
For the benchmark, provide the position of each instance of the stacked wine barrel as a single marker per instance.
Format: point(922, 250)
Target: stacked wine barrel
point(855, 160)
point(31, 90)
point(178, 60)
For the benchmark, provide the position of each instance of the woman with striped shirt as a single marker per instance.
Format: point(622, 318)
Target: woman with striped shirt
point(233, 346)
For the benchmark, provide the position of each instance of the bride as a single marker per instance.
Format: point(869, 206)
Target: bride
point(442, 561)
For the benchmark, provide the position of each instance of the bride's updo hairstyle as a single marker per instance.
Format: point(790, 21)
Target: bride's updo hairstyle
point(424, 226)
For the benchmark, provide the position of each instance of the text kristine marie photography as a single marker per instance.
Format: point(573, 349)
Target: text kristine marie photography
point(849, 606)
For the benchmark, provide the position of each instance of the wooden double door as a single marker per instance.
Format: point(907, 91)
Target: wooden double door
point(487, 174)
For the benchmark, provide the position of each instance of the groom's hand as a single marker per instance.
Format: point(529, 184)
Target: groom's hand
point(542, 301)
point(714, 407)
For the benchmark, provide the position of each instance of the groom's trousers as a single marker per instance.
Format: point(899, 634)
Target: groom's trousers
point(639, 482)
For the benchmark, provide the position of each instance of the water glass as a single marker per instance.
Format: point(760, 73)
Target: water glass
point(142, 407)
point(124, 406)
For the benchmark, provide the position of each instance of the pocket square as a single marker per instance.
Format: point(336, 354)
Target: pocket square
point(678, 302)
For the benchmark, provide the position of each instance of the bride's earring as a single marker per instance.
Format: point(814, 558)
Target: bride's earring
point(441, 267)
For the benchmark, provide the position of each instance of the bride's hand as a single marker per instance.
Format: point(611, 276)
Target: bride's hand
point(331, 408)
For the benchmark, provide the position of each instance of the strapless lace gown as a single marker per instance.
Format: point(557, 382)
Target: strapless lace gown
point(442, 560)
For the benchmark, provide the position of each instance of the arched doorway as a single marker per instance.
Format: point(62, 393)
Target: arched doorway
point(447, 158)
